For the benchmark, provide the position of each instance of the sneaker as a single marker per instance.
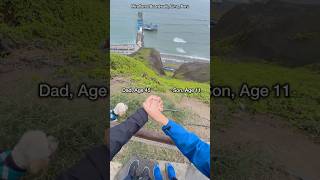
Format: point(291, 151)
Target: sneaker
point(132, 172)
point(145, 174)
point(170, 171)
point(113, 116)
point(157, 172)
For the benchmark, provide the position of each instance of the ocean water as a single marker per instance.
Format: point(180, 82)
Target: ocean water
point(183, 32)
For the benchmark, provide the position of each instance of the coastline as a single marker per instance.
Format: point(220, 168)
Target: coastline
point(177, 60)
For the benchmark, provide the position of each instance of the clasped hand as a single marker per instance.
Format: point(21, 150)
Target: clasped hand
point(153, 105)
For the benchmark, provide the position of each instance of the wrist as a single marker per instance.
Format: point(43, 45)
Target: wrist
point(163, 120)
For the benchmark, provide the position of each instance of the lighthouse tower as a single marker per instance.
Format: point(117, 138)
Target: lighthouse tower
point(140, 21)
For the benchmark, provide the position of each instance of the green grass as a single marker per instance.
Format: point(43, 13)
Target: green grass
point(74, 31)
point(301, 109)
point(245, 164)
point(143, 76)
point(76, 27)
point(135, 101)
point(148, 152)
point(168, 73)
point(143, 55)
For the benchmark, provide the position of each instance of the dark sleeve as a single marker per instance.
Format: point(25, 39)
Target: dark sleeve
point(94, 165)
point(122, 133)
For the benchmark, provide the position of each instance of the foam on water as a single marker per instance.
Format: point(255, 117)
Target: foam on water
point(179, 40)
point(181, 50)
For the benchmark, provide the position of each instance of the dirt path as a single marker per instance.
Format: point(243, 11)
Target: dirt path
point(19, 69)
point(117, 83)
point(199, 122)
point(293, 150)
point(198, 107)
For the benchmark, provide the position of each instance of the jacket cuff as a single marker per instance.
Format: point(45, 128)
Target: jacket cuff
point(143, 119)
point(166, 128)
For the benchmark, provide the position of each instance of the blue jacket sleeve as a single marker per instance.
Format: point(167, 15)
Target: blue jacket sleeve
point(191, 146)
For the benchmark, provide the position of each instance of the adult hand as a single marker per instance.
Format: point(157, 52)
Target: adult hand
point(153, 105)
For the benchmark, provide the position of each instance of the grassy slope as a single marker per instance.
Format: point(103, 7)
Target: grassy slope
point(124, 66)
point(74, 30)
point(301, 109)
point(78, 27)
point(78, 125)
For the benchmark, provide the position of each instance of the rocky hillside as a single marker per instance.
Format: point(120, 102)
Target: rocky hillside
point(151, 58)
point(285, 33)
point(194, 71)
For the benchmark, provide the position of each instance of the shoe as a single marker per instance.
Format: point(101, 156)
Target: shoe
point(113, 116)
point(170, 171)
point(145, 174)
point(132, 172)
point(157, 172)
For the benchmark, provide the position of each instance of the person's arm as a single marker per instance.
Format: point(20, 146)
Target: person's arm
point(197, 151)
point(122, 133)
point(96, 162)
point(191, 146)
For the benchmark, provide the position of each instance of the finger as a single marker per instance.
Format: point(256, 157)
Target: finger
point(154, 104)
point(161, 106)
point(144, 104)
point(147, 104)
point(149, 98)
point(157, 98)
point(161, 109)
point(160, 103)
point(154, 101)
point(147, 101)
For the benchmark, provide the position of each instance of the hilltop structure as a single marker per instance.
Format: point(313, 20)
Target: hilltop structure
point(127, 49)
